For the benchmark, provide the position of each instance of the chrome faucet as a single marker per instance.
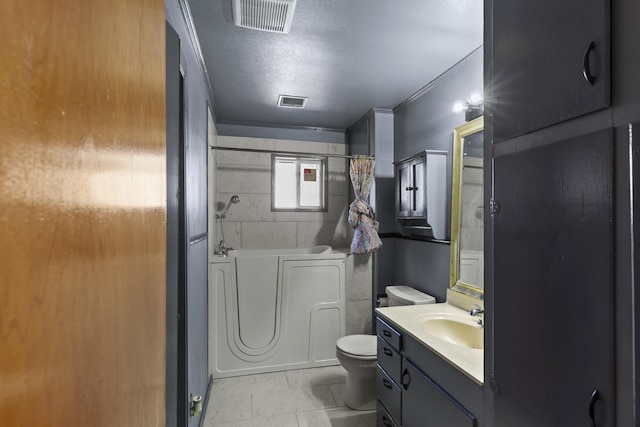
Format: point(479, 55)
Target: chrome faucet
point(477, 311)
point(222, 250)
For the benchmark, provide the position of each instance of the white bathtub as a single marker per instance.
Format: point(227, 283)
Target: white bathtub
point(275, 309)
point(315, 250)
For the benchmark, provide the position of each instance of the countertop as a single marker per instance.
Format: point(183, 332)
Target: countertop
point(469, 361)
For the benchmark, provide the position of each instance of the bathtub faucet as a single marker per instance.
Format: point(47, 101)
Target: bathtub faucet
point(222, 250)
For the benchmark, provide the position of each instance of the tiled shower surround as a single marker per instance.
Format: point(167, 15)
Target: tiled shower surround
point(251, 224)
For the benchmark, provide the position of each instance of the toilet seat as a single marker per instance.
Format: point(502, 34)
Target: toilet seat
point(362, 347)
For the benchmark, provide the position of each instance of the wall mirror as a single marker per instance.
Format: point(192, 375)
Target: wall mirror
point(467, 210)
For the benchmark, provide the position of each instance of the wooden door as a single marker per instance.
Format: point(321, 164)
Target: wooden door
point(553, 284)
point(541, 51)
point(82, 213)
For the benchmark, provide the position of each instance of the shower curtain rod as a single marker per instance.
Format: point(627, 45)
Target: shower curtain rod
point(295, 153)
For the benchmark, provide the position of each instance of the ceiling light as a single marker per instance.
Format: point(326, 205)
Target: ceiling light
point(458, 107)
point(473, 107)
point(475, 99)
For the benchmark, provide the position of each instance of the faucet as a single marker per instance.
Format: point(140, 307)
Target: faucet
point(222, 250)
point(476, 312)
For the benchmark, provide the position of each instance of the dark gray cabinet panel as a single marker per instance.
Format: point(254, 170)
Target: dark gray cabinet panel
point(383, 419)
point(425, 404)
point(389, 394)
point(541, 53)
point(553, 284)
point(389, 359)
point(410, 188)
point(389, 334)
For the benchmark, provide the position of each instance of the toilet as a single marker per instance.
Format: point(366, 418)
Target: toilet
point(358, 353)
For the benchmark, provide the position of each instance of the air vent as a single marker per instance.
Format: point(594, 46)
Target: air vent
point(292, 101)
point(264, 15)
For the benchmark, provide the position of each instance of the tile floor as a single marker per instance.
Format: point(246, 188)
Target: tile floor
point(300, 398)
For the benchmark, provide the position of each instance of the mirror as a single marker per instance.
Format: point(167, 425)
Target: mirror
point(467, 210)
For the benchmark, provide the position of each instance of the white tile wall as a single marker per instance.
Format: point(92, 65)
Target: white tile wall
point(269, 235)
point(251, 224)
point(358, 319)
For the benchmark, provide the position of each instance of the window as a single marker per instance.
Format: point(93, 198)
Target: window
point(298, 183)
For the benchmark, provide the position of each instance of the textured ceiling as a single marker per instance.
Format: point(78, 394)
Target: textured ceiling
point(347, 56)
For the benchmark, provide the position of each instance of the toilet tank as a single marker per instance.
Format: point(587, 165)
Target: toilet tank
point(406, 295)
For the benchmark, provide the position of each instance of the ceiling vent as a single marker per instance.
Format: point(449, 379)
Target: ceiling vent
point(292, 101)
point(265, 15)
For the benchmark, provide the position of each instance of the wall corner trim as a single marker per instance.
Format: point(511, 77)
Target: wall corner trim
point(442, 77)
point(195, 41)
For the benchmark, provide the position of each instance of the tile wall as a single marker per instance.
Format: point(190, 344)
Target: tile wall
point(250, 224)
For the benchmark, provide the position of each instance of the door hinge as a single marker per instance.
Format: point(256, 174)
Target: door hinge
point(495, 388)
point(494, 207)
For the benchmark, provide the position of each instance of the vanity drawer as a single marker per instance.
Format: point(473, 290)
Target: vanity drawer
point(389, 334)
point(383, 417)
point(389, 394)
point(389, 360)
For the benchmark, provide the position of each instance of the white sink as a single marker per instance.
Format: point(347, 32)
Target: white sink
point(454, 330)
point(448, 331)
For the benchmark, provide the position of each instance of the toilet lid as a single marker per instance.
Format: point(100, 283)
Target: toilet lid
point(358, 345)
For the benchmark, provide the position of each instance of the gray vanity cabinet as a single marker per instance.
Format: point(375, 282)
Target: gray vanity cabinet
point(554, 281)
point(425, 403)
point(551, 62)
point(416, 388)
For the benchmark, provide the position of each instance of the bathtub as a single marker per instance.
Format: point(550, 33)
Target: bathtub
point(275, 309)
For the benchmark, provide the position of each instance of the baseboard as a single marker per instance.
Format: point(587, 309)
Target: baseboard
point(206, 401)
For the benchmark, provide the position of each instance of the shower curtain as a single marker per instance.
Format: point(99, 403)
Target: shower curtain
point(361, 215)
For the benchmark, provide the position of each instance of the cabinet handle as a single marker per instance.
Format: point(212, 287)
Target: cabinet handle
point(386, 333)
point(595, 396)
point(386, 421)
point(387, 351)
point(387, 383)
point(406, 379)
point(586, 68)
point(408, 188)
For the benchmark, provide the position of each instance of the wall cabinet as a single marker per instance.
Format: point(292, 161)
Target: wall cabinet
point(421, 195)
point(411, 187)
point(408, 396)
point(554, 280)
point(551, 62)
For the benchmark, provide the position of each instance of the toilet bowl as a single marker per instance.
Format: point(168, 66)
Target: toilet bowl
point(358, 353)
point(358, 356)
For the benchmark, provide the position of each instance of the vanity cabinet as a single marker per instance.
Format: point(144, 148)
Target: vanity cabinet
point(416, 388)
point(423, 400)
point(551, 63)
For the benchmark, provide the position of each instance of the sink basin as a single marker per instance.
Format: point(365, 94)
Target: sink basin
point(464, 333)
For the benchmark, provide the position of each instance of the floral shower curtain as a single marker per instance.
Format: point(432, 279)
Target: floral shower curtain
point(361, 215)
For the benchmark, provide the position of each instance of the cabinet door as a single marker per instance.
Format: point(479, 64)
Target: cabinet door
point(540, 48)
point(425, 404)
point(418, 200)
point(553, 282)
point(404, 193)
